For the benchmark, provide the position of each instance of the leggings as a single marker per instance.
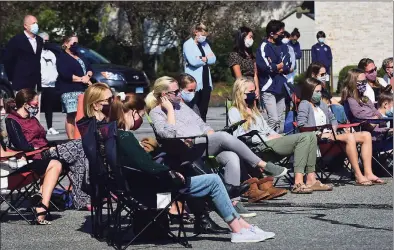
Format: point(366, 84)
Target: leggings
point(47, 102)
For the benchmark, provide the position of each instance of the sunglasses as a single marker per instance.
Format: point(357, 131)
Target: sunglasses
point(323, 74)
point(371, 71)
point(109, 100)
point(175, 92)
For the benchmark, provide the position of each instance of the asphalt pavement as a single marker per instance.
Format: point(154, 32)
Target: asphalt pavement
point(349, 217)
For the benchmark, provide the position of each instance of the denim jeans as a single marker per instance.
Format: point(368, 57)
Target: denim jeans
point(275, 106)
point(211, 185)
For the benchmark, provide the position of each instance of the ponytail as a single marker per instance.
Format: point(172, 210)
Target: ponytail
point(117, 113)
point(122, 104)
point(9, 105)
point(161, 85)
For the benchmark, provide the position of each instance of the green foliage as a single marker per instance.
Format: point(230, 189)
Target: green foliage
point(381, 72)
point(342, 76)
point(299, 78)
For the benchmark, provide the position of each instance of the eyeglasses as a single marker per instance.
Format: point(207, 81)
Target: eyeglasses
point(175, 92)
point(371, 71)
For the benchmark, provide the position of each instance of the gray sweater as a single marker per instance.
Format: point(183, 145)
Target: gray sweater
point(306, 114)
point(188, 123)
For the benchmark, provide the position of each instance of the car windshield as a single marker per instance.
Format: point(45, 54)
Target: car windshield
point(93, 57)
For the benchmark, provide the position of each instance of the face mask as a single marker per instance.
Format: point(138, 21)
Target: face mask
point(248, 43)
point(294, 41)
point(106, 109)
point(201, 39)
point(34, 28)
point(285, 40)
point(362, 86)
point(316, 97)
point(278, 39)
point(32, 110)
point(137, 123)
point(187, 96)
point(371, 76)
point(74, 48)
point(322, 79)
point(175, 100)
point(321, 39)
point(389, 113)
point(250, 97)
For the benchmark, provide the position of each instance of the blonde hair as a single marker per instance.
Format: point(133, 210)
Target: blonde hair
point(161, 85)
point(93, 94)
point(198, 27)
point(238, 97)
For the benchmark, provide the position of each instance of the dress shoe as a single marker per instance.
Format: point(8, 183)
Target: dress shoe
point(254, 194)
point(205, 225)
point(266, 184)
point(236, 191)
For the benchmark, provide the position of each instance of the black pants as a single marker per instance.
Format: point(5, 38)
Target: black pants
point(202, 100)
point(48, 97)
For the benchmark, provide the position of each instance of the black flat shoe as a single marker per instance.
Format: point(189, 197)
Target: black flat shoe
point(205, 225)
point(236, 191)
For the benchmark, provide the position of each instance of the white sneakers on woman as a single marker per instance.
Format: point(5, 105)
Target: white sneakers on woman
point(52, 131)
point(253, 234)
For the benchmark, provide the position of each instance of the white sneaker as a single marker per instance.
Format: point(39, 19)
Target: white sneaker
point(52, 131)
point(247, 235)
point(256, 229)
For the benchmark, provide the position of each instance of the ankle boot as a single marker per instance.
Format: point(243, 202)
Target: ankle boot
point(266, 184)
point(254, 194)
point(203, 224)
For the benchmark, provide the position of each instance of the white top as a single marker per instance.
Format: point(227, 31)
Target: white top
point(382, 82)
point(48, 69)
point(32, 41)
point(320, 117)
point(370, 93)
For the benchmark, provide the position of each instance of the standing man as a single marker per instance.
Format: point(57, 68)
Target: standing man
point(48, 79)
point(273, 64)
point(22, 57)
point(321, 53)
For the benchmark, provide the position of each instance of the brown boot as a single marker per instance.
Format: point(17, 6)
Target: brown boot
point(267, 185)
point(254, 194)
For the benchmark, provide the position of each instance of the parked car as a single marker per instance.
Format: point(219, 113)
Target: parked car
point(119, 78)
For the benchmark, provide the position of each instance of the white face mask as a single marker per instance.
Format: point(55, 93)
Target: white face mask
point(323, 79)
point(248, 42)
point(285, 40)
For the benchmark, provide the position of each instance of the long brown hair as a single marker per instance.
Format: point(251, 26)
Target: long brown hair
point(350, 86)
point(314, 69)
point(308, 87)
point(119, 108)
point(23, 96)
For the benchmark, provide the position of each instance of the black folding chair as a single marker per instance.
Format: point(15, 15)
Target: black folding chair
point(107, 177)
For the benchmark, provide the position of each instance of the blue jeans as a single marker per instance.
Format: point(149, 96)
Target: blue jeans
point(212, 185)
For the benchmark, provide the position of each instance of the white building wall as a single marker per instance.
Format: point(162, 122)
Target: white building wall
point(356, 30)
point(305, 25)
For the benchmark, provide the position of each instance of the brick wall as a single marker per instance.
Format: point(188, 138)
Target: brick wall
point(355, 30)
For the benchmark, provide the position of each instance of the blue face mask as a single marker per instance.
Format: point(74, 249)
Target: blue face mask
point(34, 28)
point(389, 113)
point(187, 96)
point(201, 39)
point(321, 39)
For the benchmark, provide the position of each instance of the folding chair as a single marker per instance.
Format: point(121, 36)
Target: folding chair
point(107, 177)
point(382, 143)
point(17, 184)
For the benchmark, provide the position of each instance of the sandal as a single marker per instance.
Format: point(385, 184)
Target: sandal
point(378, 181)
point(45, 212)
point(364, 183)
point(301, 188)
point(318, 186)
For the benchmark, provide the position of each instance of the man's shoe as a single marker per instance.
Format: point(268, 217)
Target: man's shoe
point(205, 225)
point(52, 131)
point(266, 184)
point(236, 191)
point(254, 194)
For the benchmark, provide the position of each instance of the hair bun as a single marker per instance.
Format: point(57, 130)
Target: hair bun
point(295, 29)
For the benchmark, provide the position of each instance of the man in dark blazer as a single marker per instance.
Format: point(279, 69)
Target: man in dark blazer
point(22, 57)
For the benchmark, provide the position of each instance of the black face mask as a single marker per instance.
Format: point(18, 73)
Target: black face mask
point(278, 40)
point(74, 48)
point(250, 98)
point(106, 109)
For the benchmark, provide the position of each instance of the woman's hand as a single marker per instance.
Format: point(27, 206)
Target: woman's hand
point(274, 136)
point(85, 79)
point(165, 103)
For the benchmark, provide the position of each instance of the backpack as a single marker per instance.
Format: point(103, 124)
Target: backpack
point(62, 199)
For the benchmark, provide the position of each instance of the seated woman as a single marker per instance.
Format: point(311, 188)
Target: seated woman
point(172, 118)
point(303, 145)
point(313, 112)
point(361, 107)
point(26, 134)
point(188, 86)
point(126, 114)
point(318, 71)
point(49, 170)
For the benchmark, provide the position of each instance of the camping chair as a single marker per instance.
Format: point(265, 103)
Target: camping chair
point(107, 177)
point(18, 182)
point(382, 143)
